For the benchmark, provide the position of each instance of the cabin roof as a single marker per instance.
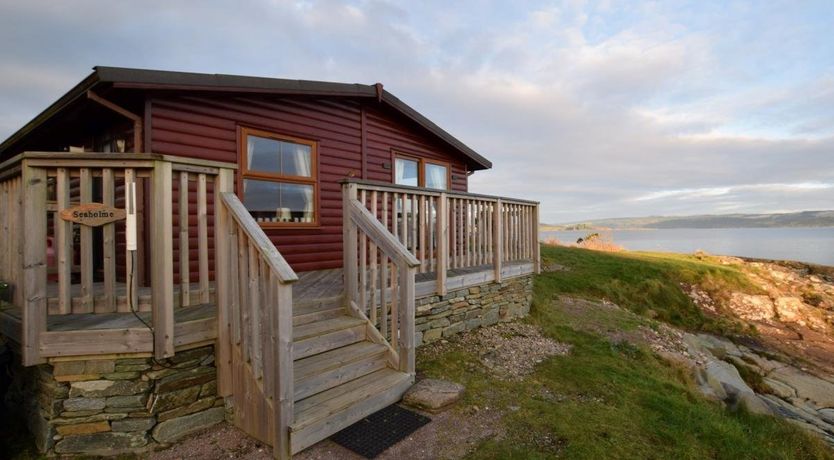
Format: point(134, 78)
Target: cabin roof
point(144, 79)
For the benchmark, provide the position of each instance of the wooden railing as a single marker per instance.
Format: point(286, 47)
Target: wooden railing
point(451, 230)
point(379, 280)
point(255, 304)
point(55, 271)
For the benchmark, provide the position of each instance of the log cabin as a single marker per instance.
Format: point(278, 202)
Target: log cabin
point(265, 250)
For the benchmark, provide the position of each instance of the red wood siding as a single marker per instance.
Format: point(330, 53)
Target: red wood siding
point(206, 127)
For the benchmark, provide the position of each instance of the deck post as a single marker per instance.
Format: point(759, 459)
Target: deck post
point(223, 182)
point(498, 238)
point(282, 399)
point(162, 260)
point(537, 257)
point(442, 233)
point(349, 236)
point(33, 216)
point(406, 317)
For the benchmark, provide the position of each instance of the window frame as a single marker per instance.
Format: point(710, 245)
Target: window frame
point(245, 173)
point(421, 169)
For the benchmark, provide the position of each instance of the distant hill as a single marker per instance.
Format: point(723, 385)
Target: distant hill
point(793, 219)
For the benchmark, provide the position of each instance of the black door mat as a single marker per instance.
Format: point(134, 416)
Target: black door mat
point(374, 434)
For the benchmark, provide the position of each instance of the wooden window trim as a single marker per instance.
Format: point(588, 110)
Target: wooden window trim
point(421, 169)
point(245, 173)
point(446, 165)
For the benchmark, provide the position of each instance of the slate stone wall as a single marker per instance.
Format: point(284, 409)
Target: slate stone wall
point(461, 310)
point(110, 406)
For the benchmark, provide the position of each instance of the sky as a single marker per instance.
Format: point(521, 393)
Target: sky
point(594, 108)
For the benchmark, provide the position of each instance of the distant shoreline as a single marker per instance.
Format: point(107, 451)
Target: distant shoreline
point(559, 228)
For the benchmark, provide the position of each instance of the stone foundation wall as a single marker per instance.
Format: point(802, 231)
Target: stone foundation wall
point(466, 309)
point(109, 406)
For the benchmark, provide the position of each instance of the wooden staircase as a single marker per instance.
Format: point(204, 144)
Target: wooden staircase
point(297, 372)
point(340, 375)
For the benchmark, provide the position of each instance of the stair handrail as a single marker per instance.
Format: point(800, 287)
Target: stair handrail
point(400, 288)
point(381, 236)
point(262, 291)
point(254, 231)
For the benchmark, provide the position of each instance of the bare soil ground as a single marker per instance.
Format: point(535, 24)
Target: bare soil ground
point(509, 350)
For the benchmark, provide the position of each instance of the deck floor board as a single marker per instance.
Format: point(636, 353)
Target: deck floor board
point(310, 286)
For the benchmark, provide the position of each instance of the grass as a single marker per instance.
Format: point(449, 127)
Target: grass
point(646, 283)
point(607, 400)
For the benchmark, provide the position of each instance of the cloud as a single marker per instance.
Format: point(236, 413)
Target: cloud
point(594, 108)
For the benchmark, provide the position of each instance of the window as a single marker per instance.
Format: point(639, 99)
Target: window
point(421, 173)
point(278, 178)
point(436, 176)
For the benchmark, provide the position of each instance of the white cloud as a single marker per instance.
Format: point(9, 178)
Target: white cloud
point(596, 108)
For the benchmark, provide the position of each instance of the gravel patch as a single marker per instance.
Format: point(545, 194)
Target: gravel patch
point(509, 350)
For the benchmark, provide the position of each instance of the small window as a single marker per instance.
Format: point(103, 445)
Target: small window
point(406, 171)
point(421, 173)
point(278, 178)
point(437, 176)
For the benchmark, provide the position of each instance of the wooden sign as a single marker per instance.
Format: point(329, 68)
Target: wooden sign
point(92, 214)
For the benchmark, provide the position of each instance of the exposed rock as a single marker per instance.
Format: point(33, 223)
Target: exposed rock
point(780, 389)
point(724, 380)
point(176, 428)
point(197, 406)
point(134, 424)
point(752, 307)
point(101, 442)
point(130, 401)
point(718, 346)
point(104, 388)
point(83, 428)
point(433, 394)
point(91, 418)
point(807, 386)
point(84, 404)
point(167, 401)
point(827, 415)
point(185, 379)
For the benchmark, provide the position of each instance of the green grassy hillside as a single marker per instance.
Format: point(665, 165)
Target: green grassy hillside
point(610, 399)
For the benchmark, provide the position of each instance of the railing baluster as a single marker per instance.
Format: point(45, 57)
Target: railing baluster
point(363, 261)
point(412, 201)
point(255, 318)
point(202, 238)
point(86, 300)
point(185, 263)
point(373, 256)
point(383, 305)
point(394, 301)
point(497, 240)
point(108, 188)
point(442, 235)
point(404, 221)
point(535, 236)
point(245, 304)
point(423, 253)
point(63, 241)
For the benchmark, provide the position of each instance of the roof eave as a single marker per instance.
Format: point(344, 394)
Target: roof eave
point(70, 96)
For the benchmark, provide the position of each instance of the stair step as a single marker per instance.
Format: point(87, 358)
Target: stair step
point(321, 336)
point(332, 301)
point(332, 368)
point(328, 412)
point(310, 311)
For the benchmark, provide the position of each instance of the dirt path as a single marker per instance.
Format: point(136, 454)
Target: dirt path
point(509, 350)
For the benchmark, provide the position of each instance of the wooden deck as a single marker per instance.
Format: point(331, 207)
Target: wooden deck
point(200, 321)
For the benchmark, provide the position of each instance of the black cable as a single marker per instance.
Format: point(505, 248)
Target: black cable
point(136, 314)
